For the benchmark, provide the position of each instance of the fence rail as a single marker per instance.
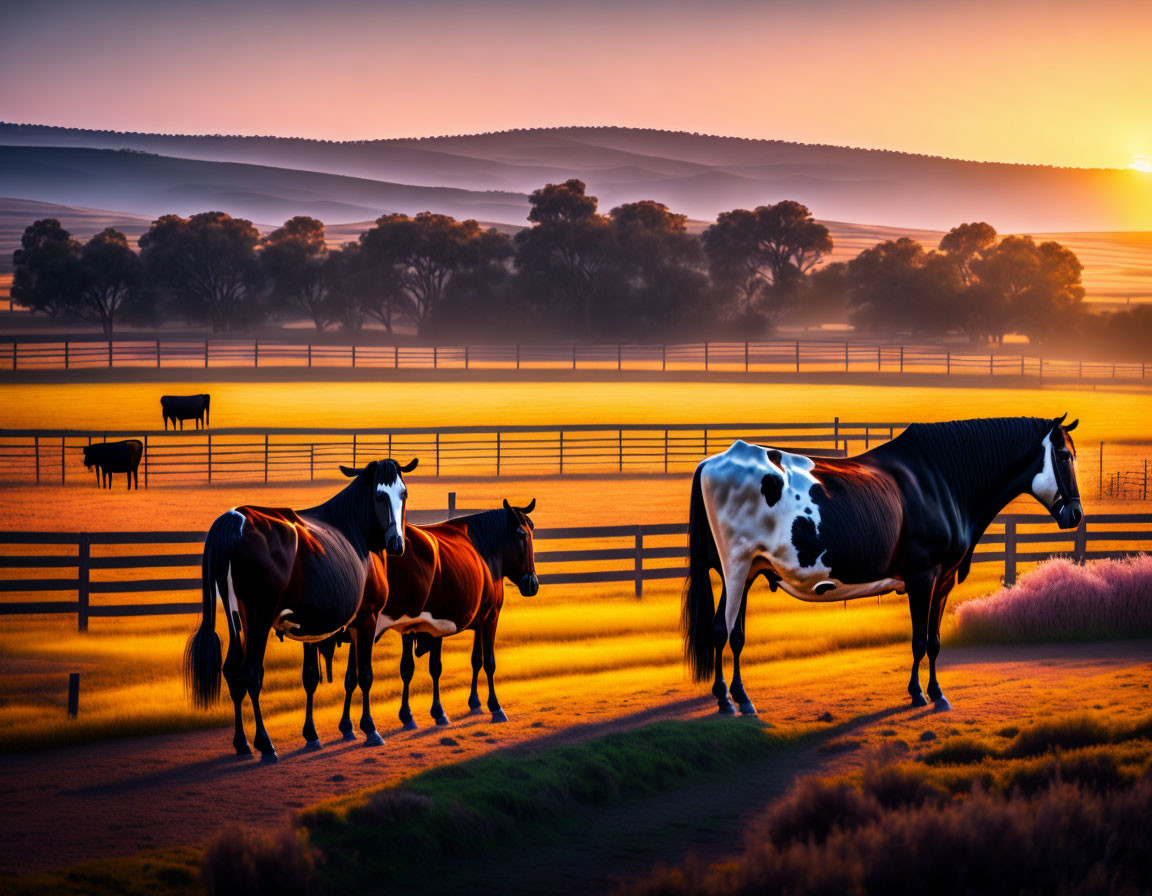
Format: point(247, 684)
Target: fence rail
point(305, 455)
point(773, 356)
point(102, 566)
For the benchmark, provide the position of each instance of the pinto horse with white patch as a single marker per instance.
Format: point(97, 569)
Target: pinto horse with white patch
point(301, 574)
point(450, 580)
point(903, 517)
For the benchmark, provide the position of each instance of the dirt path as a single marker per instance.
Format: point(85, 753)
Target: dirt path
point(126, 796)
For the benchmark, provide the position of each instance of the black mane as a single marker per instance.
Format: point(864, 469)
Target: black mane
point(489, 530)
point(964, 452)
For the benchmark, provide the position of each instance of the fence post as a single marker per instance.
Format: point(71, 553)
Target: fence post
point(845, 355)
point(15, 352)
point(948, 363)
point(145, 461)
point(836, 436)
point(437, 452)
point(561, 452)
point(63, 468)
point(209, 458)
point(664, 359)
point(435, 356)
point(797, 355)
point(109, 353)
point(1021, 365)
point(901, 357)
point(309, 354)
point(666, 455)
point(65, 354)
point(573, 355)
point(639, 555)
point(73, 694)
point(517, 355)
point(36, 449)
point(353, 451)
point(991, 368)
point(255, 353)
point(265, 458)
point(1080, 544)
point(497, 452)
point(157, 354)
point(705, 355)
point(745, 355)
point(879, 367)
point(1100, 471)
point(451, 504)
point(620, 445)
point(1145, 479)
point(465, 357)
point(353, 355)
point(1010, 552)
point(311, 461)
point(395, 357)
point(82, 563)
point(205, 354)
point(619, 356)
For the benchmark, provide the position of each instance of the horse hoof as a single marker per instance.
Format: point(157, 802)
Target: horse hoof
point(270, 756)
point(313, 745)
point(918, 700)
point(726, 709)
point(499, 716)
point(349, 735)
point(443, 720)
point(475, 711)
point(410, 725)
point(244, 750)
point(747, 709)
point(374, 740)
point(942, 704)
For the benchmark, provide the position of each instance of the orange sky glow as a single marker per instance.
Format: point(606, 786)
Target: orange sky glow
point(1035, 82)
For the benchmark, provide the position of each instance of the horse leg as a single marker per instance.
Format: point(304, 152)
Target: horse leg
point(435, 668)
point(719, 639)
point(477, 662)
point(724, 626)
point(407, 668)
point(936, 612)
point(254, 680)
point(311, 677)
point(349, 688)
point(920, 589)
point(489, 637)
point(233, 674)
point(364, 638)
point(737, 642)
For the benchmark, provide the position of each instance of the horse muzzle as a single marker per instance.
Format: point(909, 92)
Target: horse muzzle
point(1070, 515)
point(529, 584)
point(394, 545)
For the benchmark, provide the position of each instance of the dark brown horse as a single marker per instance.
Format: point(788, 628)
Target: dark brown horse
point(451, 579)
point(300, 573)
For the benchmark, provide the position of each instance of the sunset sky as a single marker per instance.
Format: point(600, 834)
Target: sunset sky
point(1040, 82)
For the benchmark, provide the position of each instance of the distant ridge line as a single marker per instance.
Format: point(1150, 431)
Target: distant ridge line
point(47, 129)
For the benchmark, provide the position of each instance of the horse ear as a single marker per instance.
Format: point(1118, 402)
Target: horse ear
point(1059, 420)
point(507, 506)
point(410, 466)
point(1071, 426)
point(349, 471)
point(531, 506)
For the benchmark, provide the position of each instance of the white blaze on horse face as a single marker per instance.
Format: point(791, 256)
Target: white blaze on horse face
point(395, 493)
point(1044, 485)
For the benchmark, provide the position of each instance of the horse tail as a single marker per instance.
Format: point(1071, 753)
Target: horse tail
point(207, 415)
point(202, 655)
point(699, 608)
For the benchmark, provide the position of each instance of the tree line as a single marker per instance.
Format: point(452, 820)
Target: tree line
point(633, 273)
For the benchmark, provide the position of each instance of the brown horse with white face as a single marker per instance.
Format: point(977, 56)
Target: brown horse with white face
point(450, 580)
point(301, 574)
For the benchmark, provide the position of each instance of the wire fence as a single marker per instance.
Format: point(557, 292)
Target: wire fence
point(772, 356)
point(121, 574)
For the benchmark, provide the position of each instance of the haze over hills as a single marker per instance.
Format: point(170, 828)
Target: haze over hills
point(488, 176)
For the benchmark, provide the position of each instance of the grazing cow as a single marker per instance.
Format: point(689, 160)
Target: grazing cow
point(902, 517)
point(299, 573)
point(185, 407)
point(115, 457)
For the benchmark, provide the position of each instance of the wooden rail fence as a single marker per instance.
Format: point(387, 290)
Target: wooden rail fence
point(305, 455)
point(621, 554)
point(771, 356)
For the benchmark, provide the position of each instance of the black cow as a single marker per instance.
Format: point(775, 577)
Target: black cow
point(115, 457)
point(185, 407)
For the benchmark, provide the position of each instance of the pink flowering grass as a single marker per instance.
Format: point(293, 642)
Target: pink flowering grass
point(1062, 601)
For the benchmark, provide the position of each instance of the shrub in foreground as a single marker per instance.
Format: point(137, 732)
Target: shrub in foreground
point(1062, 601)
point(239, 861)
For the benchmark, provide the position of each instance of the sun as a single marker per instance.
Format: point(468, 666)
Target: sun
point(1141, 163)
